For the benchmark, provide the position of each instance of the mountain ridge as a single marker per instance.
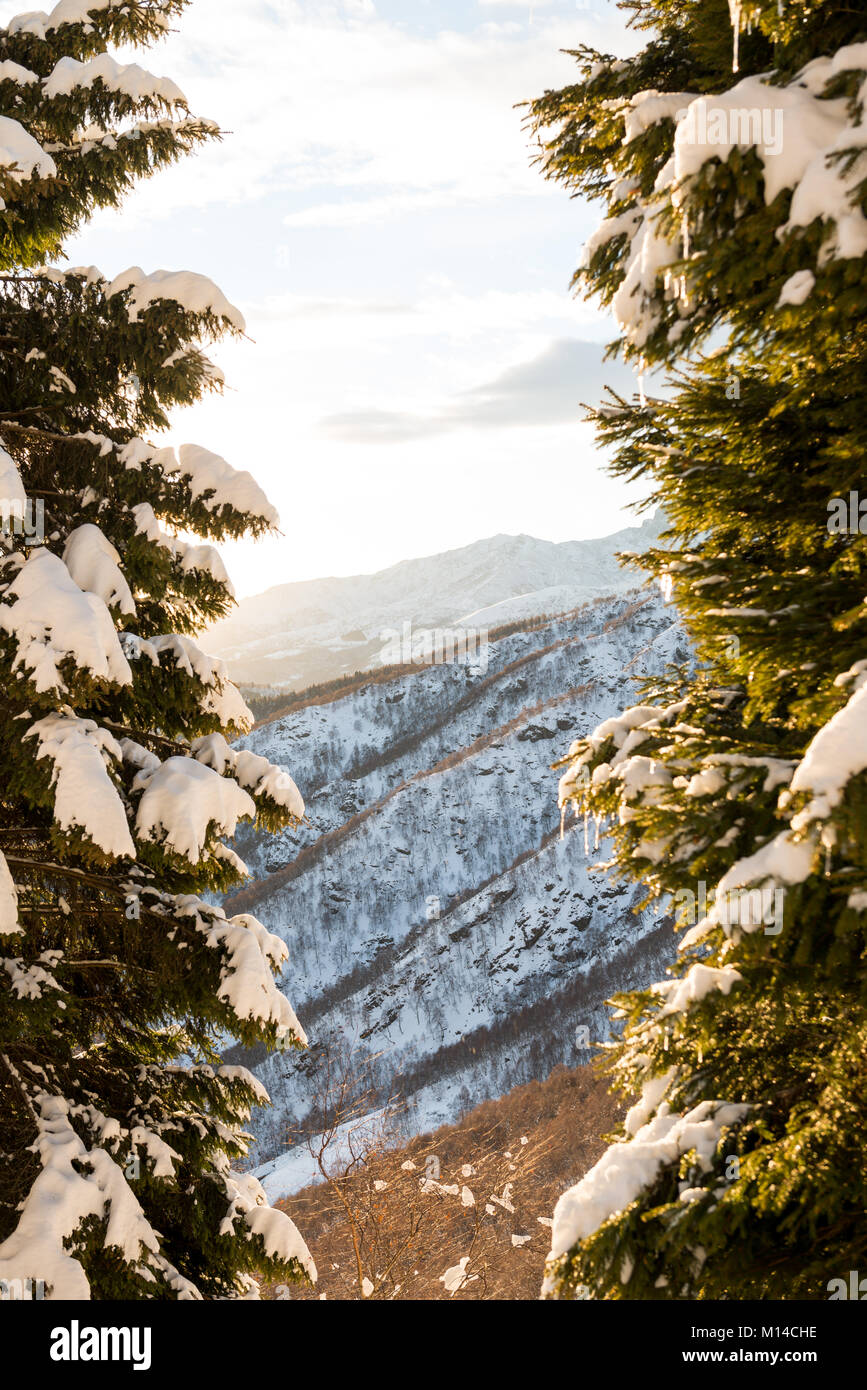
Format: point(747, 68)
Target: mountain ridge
point(312, 631)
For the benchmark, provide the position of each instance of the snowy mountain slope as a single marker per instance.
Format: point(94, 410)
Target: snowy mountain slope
point(353, 750)
point(306, 633)
point(432, 912)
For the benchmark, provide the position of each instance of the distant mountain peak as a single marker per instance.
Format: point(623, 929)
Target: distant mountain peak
point(307, 632)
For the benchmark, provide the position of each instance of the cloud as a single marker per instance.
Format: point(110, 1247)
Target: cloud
point(549, 389)
point(371, 208)
point(323, 96)
point(443, 310)
point(300, 308)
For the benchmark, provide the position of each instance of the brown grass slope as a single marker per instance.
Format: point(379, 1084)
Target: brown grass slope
point(400, 1216)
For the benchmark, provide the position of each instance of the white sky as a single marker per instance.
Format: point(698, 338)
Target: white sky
point(418, 363)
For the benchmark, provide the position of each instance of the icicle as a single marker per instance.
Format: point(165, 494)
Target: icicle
point(563, 821)
point(684, 233)
point(586, 843)
point(735, 9)
point(596, 835)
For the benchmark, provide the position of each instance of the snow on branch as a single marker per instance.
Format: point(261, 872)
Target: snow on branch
point(805, 143)
point(75, 1182)
point(208, 473)
point(784, 861)
point(9, 924)
point(20, 155)
point(14, 72)
point(51, 619)
point(12, 493)
point(256, 774)
point(244, 1077)
point(626, 732)
point(29, 980)
point(626, 1170)
point(695, 986)
point(39, 24)
point(837, 754)
point(137, 453)
point(648, 108)
point(94, 564)
point(205, 558)
point(279, 1234)
point(254, 954)
point(85, 797)
point(128, 80)
point(222, 698)
point(184, 802)
point(194, 293)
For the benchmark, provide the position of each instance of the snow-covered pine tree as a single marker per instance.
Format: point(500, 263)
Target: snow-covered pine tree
point(730, 158)
point(120, 1130)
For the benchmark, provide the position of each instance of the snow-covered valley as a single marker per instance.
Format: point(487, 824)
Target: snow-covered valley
point(445, 942)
